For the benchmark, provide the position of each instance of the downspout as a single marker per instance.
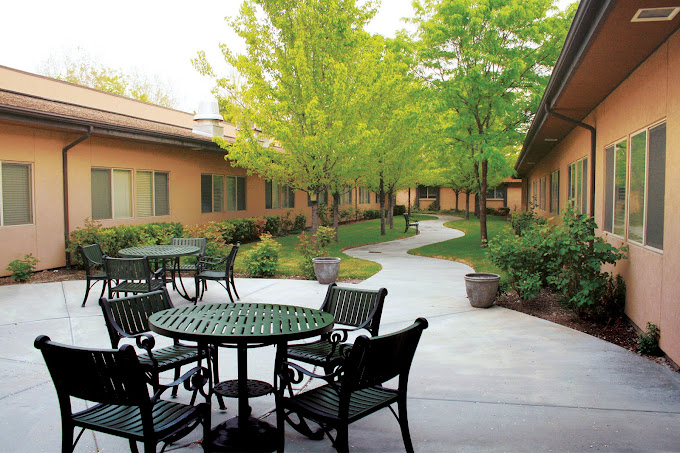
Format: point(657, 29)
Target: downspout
point(64, 170)
point(593, 148)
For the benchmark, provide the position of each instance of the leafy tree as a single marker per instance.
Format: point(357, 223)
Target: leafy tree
point(303, 84)
point(82, 70)
point(394, 135)
point(489, 62)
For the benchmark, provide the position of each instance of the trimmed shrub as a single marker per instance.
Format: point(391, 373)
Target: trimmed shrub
point(263, 259)
point(523, 220)
point(369, 214)
point(399, 209)
point(300, 223)
point(23, 269)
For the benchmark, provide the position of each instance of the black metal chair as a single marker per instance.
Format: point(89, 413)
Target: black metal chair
point(133, 275)
point(93, 261)
point(114, 380)
point(128, 318)
point(178, 266)
point(354, 390)
point(216, 269)
point(358, 309)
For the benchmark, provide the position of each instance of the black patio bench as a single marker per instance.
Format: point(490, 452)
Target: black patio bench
point(410, 223)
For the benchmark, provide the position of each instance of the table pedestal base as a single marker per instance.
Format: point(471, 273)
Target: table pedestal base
point(256, 436)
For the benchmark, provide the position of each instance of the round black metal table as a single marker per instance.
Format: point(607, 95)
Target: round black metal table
point(241, 325)
point(163, 253)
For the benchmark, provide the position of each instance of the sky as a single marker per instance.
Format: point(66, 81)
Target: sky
point(151, 37)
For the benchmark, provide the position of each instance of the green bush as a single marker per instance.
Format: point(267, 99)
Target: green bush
point(263, 259)
point(523, 220)
point(434, 206)
point(566, 258)
point(300, 223)
point(399, 209)
point(314, 246)
point(648, 342)
point(502, 211)
point(23, 269)
point(273, 225)
point(371, 214)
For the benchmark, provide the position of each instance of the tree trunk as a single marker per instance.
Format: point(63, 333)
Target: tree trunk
point(336, 214)
point(315, 215)
point(481, 178)
point(467, 205)
point(390, 208)
point(457, 192)
point(408, 207)
point(381, 194)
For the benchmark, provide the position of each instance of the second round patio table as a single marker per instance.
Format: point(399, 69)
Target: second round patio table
point(241, 325)
point(163, 252)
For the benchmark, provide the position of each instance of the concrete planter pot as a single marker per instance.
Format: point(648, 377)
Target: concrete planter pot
point(481, 288)
point(326, 269)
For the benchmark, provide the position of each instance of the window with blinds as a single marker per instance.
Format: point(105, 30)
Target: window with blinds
point(236, 193)
point(346, 197)
point(278, 196)
point(364, 196)
point(577, 185)
point(17, 197)
point(152, 193)
point(635, 187)
point(111, 191)
point(555, 192)
point(212, 193)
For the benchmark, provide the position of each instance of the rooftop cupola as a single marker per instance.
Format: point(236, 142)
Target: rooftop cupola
point(208, 121)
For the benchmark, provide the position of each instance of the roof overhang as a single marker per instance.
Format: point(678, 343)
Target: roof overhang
point(603, 47)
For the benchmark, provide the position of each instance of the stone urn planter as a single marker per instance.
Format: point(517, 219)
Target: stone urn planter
point(481, 288)
point(326, 269)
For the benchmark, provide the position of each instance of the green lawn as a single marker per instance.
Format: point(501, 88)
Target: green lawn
point(351, 235)
point(466, 249)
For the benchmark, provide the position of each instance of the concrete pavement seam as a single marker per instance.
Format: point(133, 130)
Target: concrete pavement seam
point(557, 406)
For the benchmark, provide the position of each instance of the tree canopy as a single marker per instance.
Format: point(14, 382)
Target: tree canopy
point(488, 62)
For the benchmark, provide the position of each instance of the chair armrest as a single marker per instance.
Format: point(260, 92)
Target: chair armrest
point(159, 273)
point(294, 373)
point(194, 379)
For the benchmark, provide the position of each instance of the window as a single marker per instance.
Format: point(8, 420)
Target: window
point(346, 197)
point(152, 193)
point(236, 193)
point(543, 193)
point(428, 191)
point(577, 185)
point(555, 192)
point(534, 193)
point(364, 196)
point(278, 196)
point(111, 191)
point(496, 193)
point(644, 196)
point(17, 196)
point(322, 199)
point(212, 193)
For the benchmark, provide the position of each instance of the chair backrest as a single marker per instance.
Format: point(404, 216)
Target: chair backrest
point(375, 360)
point(127, 268)
point(111, 376)
point(91, 255)
point(196, 242)
point(232, 255)
point(406, 218)
point(132, 313)
point(355, 307)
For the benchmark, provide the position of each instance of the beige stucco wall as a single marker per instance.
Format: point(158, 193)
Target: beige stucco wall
point(447, 199)
point(649, 95)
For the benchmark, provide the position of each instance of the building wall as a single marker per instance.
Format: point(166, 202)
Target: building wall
point(42, 148)
point(649, 95)
point(447, 199)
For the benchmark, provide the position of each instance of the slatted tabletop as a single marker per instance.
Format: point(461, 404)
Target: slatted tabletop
point(241, 323)
point(159, 251)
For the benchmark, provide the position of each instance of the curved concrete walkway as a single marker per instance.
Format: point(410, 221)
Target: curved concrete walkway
point(482, 380)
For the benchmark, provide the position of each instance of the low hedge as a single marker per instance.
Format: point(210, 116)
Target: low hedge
point(218, 234)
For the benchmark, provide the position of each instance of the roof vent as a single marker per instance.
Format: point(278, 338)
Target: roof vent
point(655, 14)
point(208, 119)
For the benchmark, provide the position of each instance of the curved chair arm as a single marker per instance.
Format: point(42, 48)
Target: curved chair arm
point(292, 373)
point(207, 262)
point(194, 379)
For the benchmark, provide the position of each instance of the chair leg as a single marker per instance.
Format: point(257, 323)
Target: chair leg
point(87, 291)
point(67, 437)
point(216, 374)
point(177, 375)
point(206, 429)
point(342, 438)
point(231, 279)
point(199, 293)
point(280, 428)
point(231, 298)
point(403, 424)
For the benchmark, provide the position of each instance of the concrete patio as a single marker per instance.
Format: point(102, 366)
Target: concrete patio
point(482, 379)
